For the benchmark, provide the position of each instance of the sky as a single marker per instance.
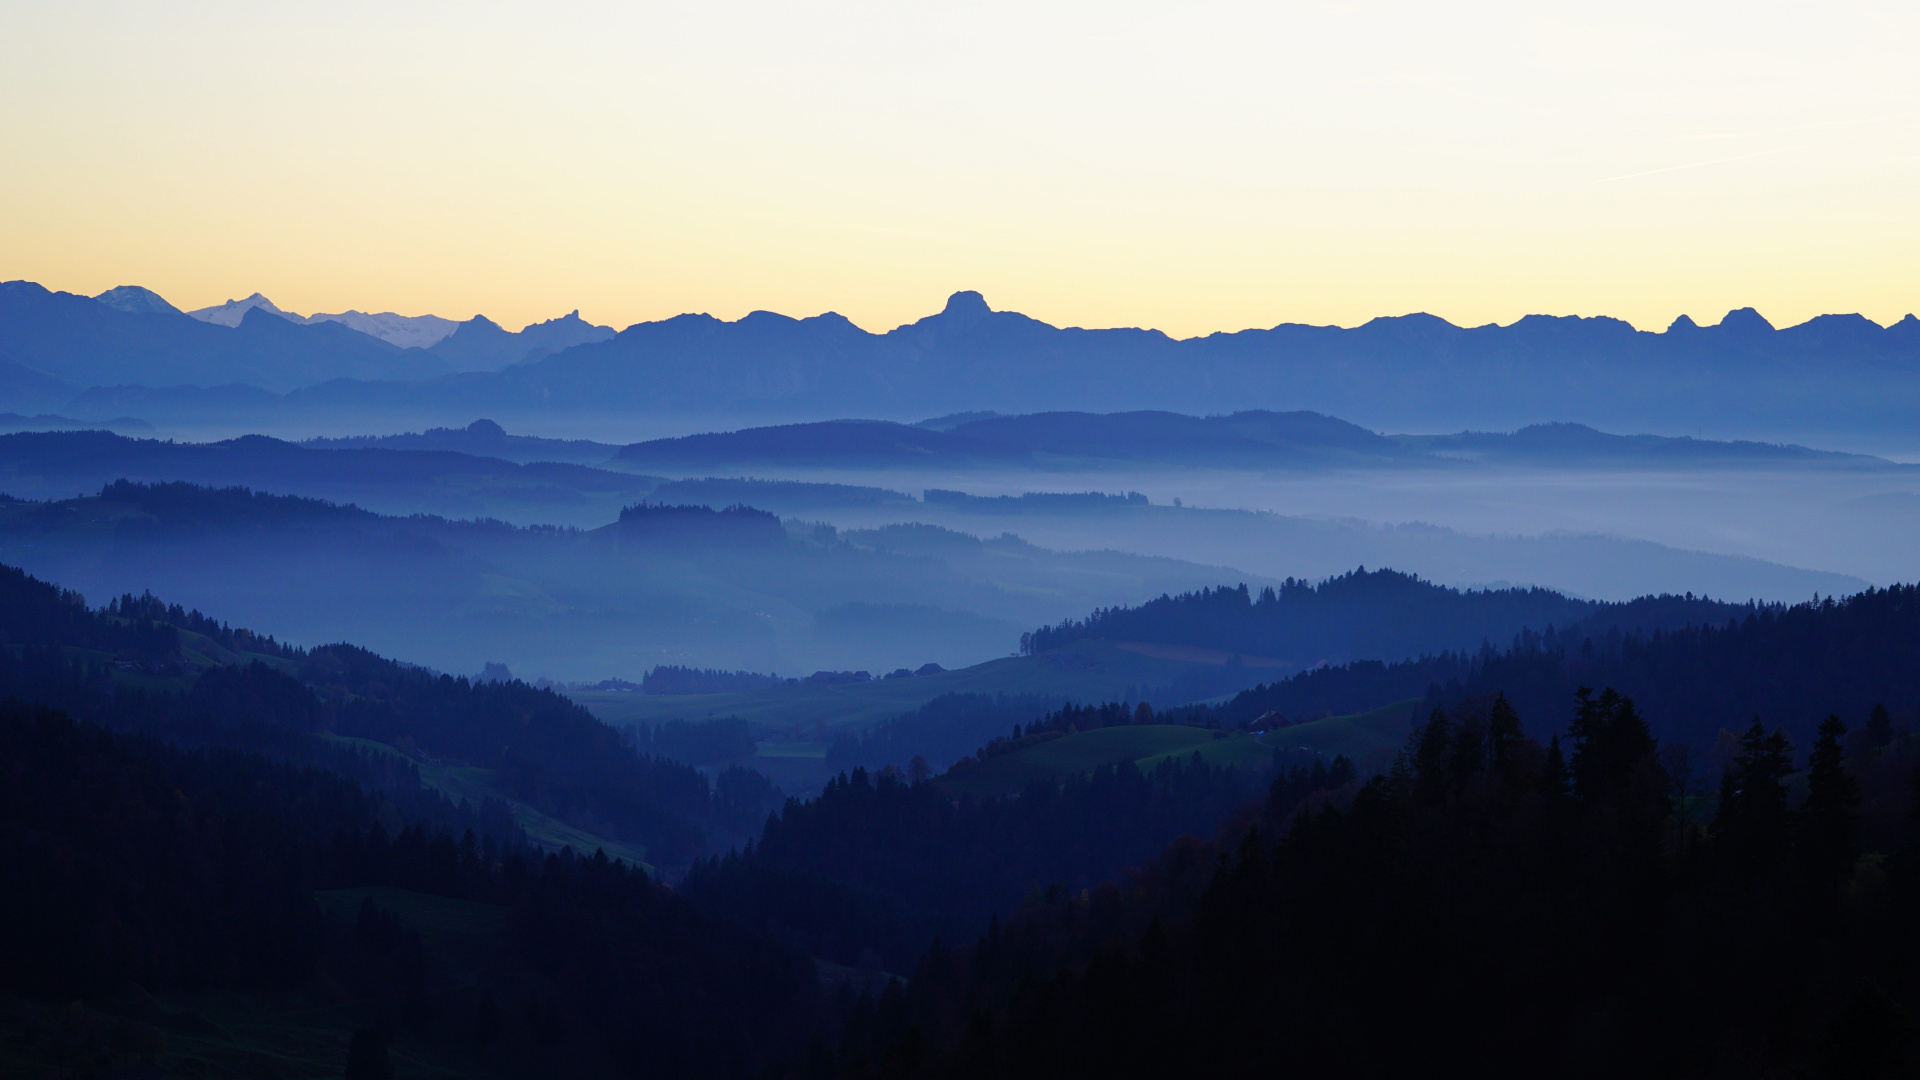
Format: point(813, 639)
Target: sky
point(1187, 166)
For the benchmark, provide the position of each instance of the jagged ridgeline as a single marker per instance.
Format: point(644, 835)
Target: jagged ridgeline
point(83, 356)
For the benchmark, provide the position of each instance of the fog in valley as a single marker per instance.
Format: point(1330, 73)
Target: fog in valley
point(1473, 526)
point(570, 596)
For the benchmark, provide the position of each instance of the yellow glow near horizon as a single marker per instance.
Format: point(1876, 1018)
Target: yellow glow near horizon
point(1192, 167)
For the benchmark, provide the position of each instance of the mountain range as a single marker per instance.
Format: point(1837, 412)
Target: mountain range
point(406, 331)
point(1835, 375)
point(54, 345)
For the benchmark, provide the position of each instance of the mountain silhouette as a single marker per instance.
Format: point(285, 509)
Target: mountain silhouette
point(1836, 374)
point(136, 301)
point(129, 337)
point(1413, 372)
point(140, 340)
point(233, 312)
point(480, 344)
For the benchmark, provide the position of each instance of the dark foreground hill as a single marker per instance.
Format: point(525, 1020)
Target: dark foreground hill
point(226, 856)
point(1619, 907)
point(292, 921)
point(1695, 671)
point(142, 665)
point(1495, 906)
point(237, 863)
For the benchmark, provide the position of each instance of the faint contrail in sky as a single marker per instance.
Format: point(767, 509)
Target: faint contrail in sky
point(1697, 164)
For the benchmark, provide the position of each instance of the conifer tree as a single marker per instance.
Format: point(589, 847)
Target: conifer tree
point(1610, 740)
point(1751, 825)
point(1831, 817)
point(1503, 732)
point(1879, 726)
point(1431, 746)
point(1557, 781)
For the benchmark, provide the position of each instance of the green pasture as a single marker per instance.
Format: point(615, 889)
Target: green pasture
point(1358, 735)
point(473, 784)
point(1236, 751)
point(1076, 753)
point(1087, 671)
point(1368, 738)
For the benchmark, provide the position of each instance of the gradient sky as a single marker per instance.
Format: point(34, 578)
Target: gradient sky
point(1193, 166)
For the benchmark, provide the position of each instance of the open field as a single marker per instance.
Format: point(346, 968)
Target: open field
point(1076, 753)
point(1380, 732)
point(1089, 671)
point(474, 784)
point(1365, 736)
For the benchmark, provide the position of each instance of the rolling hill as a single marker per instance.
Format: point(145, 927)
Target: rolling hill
point(654, 587)
point(1255, 439)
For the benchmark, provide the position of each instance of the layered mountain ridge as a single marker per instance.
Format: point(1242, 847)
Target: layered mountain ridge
point(1741, 377)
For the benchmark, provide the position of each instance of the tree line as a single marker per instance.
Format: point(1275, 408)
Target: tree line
point(1793, 666)
point(878, 865)
point(133, 862)
point(1493, 905)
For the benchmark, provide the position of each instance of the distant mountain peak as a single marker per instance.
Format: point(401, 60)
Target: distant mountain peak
point(966, 304)
point(1746, 321)
point(1683, 323)
point(480, 344)
point(570, 319)
point(136, 301)
point(406, 331)
point(233, 311)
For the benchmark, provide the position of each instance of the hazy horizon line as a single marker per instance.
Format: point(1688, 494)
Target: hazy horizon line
point(375, 310)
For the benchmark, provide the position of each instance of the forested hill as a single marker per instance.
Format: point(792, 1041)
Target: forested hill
point(142, 665)
point(1496, 906)
point(1374, 615)
point(215, 879)
point(1789, 666)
